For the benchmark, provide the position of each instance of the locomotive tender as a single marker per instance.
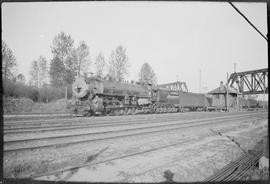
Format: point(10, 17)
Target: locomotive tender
point(96, 96)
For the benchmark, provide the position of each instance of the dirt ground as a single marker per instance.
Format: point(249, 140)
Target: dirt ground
point(198, 157)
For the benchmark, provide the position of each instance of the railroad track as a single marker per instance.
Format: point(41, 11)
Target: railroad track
point(70, 124)
point(112, 159)
point(61, 120)
point(61, 141)
point(231, 172)
point(121, 125)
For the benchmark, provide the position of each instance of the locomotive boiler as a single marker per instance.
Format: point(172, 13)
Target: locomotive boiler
point(96, 96)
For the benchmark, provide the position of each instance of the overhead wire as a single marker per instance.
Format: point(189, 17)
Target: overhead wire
point(248, 21)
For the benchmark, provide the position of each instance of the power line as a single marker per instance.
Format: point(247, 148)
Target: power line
point(248, 21)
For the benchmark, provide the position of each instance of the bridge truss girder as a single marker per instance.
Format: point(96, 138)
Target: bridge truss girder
point(175, 86)
point(250, 82)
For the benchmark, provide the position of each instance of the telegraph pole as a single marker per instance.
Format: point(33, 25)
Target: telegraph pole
point(234, 64)
point(200, 78)
point(227, 94)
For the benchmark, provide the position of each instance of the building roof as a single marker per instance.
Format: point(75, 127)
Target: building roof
point(223, 89)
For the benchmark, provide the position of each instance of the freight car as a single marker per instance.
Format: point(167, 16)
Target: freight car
point(250, 103)
point(95, 96)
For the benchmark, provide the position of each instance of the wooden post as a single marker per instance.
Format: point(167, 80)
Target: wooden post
point(237, 102)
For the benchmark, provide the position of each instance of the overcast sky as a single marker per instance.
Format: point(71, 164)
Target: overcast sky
point(175, 38)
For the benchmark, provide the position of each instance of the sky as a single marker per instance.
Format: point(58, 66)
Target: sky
point(177, 39)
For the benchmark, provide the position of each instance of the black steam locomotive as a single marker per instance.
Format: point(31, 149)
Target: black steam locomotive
point(96, 96)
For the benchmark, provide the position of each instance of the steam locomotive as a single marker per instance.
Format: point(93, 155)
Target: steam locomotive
point(96, 96)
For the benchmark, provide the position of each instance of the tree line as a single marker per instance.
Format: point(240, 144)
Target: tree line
point(48, 79)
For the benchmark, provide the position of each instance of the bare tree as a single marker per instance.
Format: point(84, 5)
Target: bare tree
point(8, 62)
point(147, 74)
point(118, 64)
point(100, 64)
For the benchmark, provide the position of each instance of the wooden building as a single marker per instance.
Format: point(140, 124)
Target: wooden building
point(219, 97)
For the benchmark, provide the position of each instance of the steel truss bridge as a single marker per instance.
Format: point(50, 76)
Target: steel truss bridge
point(250, 82)
point(175, 86)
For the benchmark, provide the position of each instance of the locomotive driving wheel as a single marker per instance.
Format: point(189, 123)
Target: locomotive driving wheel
point(133, 110)
point(87, 113)
point(115, 112)
point(126, 110)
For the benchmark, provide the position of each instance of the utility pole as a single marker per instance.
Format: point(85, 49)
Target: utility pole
point(200, 73)
point(227, 94)
point(234, 64)
point(38, 71)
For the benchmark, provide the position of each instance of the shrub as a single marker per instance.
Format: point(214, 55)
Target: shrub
point(13, 105)
point(49, 93)
point(46, 93)
point(19, 90)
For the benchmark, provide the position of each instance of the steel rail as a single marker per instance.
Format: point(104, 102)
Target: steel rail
point(235, 170)
point(110, 159)
point(247, 160)
point(234, 175)
point(95, 117)
point(68, 124)
point(25, 141)
point(224, 172)
point(87, 124)
point(63, 144)
point(108, 118)
point(103, 138)
point(244, 167)
point(96, 125)
point(84, 120)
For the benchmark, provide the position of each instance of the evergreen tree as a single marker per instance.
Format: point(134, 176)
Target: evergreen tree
point(147, 75)
point(8, 62)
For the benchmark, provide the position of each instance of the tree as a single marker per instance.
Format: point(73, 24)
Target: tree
point(100, 64)
point(57, 72)
point(8, 62)
point(62, 46)
point(64, 56)
point(20, 79)
point(147, 75)
point(82, 56)
point(118, 64)
point(39, 72)
point(34, 74)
